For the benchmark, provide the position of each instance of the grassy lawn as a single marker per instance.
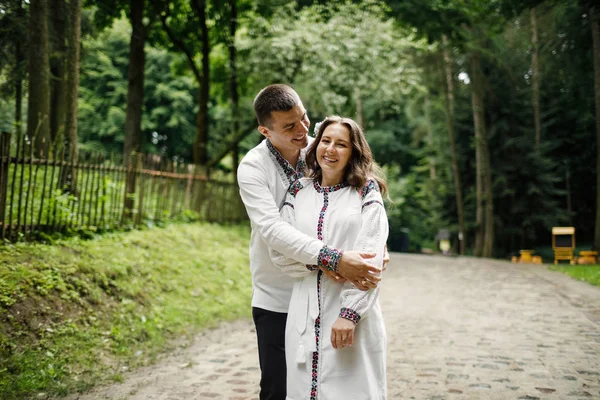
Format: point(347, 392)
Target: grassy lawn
point(79, 312)
point(587, 273)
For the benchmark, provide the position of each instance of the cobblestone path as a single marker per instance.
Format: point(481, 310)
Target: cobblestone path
point(458, 328)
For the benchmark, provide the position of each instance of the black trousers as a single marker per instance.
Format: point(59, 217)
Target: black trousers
point(270, 331)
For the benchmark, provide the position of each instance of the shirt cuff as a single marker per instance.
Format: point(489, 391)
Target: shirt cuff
point(350, 314)
point(329, 258)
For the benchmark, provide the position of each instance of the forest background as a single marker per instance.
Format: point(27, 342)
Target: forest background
point(484, 114)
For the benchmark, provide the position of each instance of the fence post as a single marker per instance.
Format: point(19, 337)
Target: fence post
point(139, 166)
point(130, 180)
point(4, 167)
point(188, 187)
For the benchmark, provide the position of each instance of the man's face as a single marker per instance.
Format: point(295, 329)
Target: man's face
point(288, 129)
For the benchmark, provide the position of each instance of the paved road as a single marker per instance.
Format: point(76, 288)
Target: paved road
point(458, 328)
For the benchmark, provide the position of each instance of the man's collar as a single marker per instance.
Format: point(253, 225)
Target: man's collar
point(291, 173)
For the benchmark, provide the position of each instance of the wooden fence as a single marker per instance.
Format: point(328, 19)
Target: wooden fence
point(47, 193)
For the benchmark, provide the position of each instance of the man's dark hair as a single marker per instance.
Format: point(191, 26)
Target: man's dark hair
point(277, 97)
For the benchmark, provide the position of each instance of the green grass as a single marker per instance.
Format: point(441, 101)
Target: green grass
point(586, 273)
point(79, 312)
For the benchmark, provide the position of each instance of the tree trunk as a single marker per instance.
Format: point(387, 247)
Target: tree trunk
point(19, 65)
point(479, 221)
point(72, 65)
point(359, 108)
point(488, 240)
point(201, 141)
point(135, 98)
point(18, 99)
point(233, 86)
point(450, 125)
point(228, 147)
point(38, 112)
point(568, 189)
point(595, 22)
point(235, 155)
point(535, 85)
point(58, 70)
point(485, 206)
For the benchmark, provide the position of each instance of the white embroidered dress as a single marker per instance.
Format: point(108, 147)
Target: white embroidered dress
point(344, 218)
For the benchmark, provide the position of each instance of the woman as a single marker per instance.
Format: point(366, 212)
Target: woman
point(335, 335)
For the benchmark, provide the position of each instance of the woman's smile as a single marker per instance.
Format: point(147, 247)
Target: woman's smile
point(333, 153)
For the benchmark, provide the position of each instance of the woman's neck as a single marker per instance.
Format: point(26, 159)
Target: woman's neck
point(331, 179)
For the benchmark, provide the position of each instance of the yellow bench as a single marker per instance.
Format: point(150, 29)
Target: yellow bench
point(526, 256)
point(587, 257)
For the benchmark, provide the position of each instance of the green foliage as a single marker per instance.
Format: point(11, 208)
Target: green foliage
point(379, 59)
point(529, 185)
point(75, 312)
point(167, 128)
point(356, 55)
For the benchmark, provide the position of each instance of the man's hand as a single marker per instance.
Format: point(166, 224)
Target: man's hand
point(386, 258)
point(334, 276)
point(342, 333)
point(354, 268)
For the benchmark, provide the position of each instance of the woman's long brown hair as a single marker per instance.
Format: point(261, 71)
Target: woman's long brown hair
point(361, 166)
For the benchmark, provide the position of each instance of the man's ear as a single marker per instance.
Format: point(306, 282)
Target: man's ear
point(264, 131)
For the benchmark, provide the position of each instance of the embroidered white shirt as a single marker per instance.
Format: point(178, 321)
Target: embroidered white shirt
point(264, 177)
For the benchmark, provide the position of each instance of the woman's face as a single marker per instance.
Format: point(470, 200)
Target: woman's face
point(334, 150)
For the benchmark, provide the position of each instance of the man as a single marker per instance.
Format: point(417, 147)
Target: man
point(264, 175)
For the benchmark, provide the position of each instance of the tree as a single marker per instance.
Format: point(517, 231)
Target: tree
point(595, 25)
point(484, 236)
point(441, 23)
point(200, 144)
point(13, 58)
point(59, 21)
point(233, 83)
point(135, 97)
point(168, 123)
point(38, 114)
point(449, 105)
point(135, 79)
point(535, 72)
point(180, 23)
point(72, 70)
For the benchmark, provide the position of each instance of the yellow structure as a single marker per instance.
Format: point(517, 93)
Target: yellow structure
point(526, 256)
point(563, 243)
point(587, 257)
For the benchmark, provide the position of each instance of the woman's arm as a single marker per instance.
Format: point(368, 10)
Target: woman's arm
point(371, 238)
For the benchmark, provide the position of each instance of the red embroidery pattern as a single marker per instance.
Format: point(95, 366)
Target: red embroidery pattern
point(368, 203)
point(291, 173)
point(328, 258)
point(350, 314)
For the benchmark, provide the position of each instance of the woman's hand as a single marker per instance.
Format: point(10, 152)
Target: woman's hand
point(342, 333)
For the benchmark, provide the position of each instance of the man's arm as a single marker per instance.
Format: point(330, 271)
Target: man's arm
point(285, 239)
point(264, 214)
